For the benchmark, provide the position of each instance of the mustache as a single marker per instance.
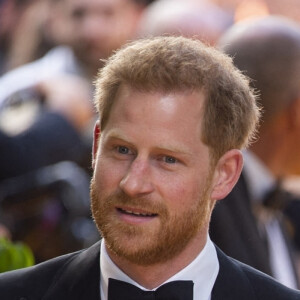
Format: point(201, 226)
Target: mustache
point(121, 199)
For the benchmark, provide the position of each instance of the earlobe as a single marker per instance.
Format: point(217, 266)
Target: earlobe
point(97, 132)
point(227, 173)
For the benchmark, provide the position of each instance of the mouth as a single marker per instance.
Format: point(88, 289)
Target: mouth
point(136, 212)
point(135, 216)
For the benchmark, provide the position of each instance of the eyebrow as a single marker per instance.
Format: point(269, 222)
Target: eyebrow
point(115, 134)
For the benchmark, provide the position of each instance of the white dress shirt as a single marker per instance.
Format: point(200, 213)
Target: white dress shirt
point(203, 271)
point(260, 181)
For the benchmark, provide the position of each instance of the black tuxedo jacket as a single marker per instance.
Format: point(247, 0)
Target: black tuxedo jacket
point(77, 276)
point(234, 228)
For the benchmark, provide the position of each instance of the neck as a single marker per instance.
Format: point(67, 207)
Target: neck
point(152, 276)
point(275, 148)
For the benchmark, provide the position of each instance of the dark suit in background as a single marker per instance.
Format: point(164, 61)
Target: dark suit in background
point(234, 228)
point(49, 140)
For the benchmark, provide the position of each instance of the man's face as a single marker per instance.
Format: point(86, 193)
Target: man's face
point(151, 186)
point(98, 27)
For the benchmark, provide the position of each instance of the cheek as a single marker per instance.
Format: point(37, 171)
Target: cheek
point(179, 193)
point(106, 176)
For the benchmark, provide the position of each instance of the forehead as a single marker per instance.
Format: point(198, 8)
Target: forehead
point(159, 121)
point(160, 111)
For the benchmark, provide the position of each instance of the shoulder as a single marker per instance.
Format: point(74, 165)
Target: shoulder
point(266, 287)
point(236, 279)
point(41, 277)
point(64, 277)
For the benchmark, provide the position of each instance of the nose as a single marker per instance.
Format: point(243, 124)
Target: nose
point(137, 181)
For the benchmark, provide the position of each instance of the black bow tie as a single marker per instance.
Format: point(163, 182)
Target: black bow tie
point(175, 290)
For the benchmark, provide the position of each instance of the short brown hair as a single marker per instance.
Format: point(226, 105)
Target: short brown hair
point(170, 64)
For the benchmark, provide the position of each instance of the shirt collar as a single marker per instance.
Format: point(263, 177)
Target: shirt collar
point(203, 271)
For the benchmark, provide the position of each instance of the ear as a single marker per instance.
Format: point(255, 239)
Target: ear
point(227, 173)
point(97, 132)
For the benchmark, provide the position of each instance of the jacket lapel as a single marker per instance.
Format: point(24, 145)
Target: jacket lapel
point(231, 282)
point(80, 278)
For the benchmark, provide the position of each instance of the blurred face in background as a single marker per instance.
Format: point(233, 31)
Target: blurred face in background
point(98, 27)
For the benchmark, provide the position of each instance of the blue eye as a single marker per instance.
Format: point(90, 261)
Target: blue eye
point(123, 150)
point(170, 160)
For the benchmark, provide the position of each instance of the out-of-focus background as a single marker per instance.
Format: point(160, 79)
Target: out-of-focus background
point(50, 53)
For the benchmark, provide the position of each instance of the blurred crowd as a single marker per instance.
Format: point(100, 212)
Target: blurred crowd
point(50, 53)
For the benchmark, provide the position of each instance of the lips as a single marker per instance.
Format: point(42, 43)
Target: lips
point(135, 212)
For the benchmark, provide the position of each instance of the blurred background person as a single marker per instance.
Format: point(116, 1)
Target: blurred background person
point(91, 31)
point(243, 9)
point(37, 30)
point(198, 19)
point(55, 135)
point(28, 30)
point(250, 224)
point(11, 12)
